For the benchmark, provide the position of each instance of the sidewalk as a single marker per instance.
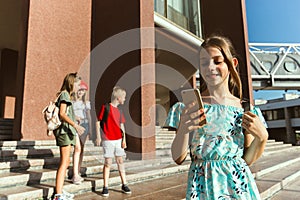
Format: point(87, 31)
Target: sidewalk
point(167, 188)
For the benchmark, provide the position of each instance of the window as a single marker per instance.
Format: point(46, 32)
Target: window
point(276, 114)
point(185, 14)
point(295, 112)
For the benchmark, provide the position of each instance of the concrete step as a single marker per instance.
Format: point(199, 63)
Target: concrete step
point(30, 161)
point(268, 163)
point(6, 128)
point(134, 173)
point(8, 155)
point(163, 145)
point(281, 150)
point(27, 164)
point(25, 170)
point(165, 132)
point(37, 162)
point(272, 141)
point(89, 169)
point(290, 191)
point(271, 148)
point(19, 160)
point(37, 144)
point(39, 175)
point(95, 182)
point(269, 178)
point(273, 182)
point(275, 145)
point(5, 137)
point(163, 137)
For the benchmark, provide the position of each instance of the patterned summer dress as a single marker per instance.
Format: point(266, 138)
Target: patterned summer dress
point(217, 171)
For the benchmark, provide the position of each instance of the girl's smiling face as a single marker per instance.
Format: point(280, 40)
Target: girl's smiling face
point(80, 93)
point(213, 67)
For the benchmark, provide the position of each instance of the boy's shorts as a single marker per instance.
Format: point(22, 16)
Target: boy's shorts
point(112, 148)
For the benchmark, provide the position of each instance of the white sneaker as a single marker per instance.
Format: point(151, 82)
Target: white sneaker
point(59, 197)
point(67, 195)
point(77, 180)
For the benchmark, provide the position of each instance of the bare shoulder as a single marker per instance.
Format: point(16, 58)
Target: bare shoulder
point(236, 102)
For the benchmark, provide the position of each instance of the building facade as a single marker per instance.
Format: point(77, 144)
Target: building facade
point(283, 118)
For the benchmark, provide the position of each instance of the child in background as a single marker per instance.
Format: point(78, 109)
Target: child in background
point(82, 109)
point(113, 138)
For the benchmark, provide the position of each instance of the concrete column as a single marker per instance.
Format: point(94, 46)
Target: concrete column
point(120, 33)
point(290, 135)
point(58, 41)
point(148, 79)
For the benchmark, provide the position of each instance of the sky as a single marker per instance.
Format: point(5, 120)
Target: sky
point(273, 21)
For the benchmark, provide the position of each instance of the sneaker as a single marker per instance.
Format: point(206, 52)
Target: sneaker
point(105, 192)
point(77, 180)
point(126, 189)
point(58, 197)
point(68, 195)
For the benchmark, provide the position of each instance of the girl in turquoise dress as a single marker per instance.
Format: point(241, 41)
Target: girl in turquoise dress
point(221, 151)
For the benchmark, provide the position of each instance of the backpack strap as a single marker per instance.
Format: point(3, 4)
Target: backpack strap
point(105, 114)
point(55, 101)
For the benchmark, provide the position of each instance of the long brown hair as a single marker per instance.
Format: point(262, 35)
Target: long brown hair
point(68, 83)
point(225, 46)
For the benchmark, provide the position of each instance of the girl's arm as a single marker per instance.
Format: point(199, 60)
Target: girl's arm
point(89, 118)
point(63, 115)
point(189, 121)
point(179, 146)
point(256, 136)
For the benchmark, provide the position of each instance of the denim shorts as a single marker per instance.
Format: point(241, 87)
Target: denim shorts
point(112, 148)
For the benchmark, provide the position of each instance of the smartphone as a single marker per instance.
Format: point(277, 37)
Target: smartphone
point(193, 95)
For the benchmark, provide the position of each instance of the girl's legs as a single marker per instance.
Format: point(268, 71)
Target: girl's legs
point(81, 156)
point(82, 142)
point(76, 159)
point(82, 139)
point(62, 169)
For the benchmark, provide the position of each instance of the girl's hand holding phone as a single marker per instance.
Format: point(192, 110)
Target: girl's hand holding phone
point(192, 118)
point(195, 109)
